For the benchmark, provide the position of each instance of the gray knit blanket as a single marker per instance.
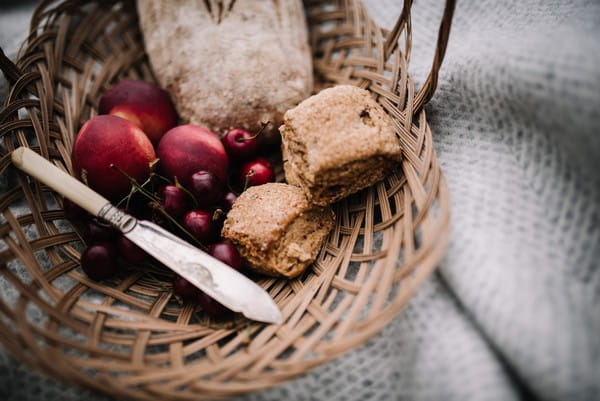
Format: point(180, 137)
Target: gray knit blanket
point(514, 310)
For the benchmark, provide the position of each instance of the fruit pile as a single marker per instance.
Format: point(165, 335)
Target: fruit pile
point(183, 178)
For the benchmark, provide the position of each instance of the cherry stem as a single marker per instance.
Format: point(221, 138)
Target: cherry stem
point(165, 179)
point(135, 186)
point(156, 204)
point(262, 128)
point(247, 181)
point(217, 214)
point(187, 191)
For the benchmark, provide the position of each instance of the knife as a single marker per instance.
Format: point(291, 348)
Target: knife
point(215, 278)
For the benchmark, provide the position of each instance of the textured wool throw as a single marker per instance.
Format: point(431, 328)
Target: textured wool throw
point(514, 310)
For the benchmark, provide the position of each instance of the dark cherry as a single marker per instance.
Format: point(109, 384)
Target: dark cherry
point(240, 144)
point(99, 261)
point(99, 231)
point(174, 201)
point(213, 308)
point(74, 212)
point(228, 200)
point(227, 253)
point(130, 251)
point(206, 187)
point(184, 288)
point(199, 223)
point(257, 172)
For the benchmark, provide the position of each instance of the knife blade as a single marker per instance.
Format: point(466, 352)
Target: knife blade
point(215, 278)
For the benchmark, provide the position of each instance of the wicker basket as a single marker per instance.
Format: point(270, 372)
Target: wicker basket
point(129, 337)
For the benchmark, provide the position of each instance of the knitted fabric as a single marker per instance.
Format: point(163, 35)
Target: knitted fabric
point(514, 310)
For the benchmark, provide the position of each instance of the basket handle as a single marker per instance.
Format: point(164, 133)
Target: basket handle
point(10, 69)
point(428, 89)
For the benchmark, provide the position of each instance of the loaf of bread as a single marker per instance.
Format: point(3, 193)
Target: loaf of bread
point(277, 231)
point(229, 63)
point(338, 142)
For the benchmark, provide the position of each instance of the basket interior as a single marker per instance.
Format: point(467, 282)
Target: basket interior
point(130, 336)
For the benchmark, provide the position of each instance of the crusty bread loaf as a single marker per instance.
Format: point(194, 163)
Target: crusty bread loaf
point(229, 63)
point(277, 231)
point(338, 142)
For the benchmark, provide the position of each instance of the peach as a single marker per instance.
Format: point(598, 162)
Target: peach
point(144, 104)
point(108, 140)
point(187, 149)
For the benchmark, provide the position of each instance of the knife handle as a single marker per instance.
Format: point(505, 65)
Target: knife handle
point(44, 171)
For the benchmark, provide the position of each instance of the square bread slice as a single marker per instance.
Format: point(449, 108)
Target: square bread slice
point(276, 230)
point(338, 142)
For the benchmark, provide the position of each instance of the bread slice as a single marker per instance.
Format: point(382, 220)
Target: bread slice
point(229, 63)
point(277, 231)
point(338, 142)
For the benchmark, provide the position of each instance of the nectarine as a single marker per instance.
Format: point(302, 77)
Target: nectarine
point(143, 103)
point(186, 149)
point(108, 140)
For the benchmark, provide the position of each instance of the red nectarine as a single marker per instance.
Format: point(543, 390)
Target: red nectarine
point(186, 149)
point(108, 140)
point(144, 104)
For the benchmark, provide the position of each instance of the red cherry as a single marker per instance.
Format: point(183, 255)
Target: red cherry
point(227, 253)
point(130, 251)
point(240, 144)
point(206, 187)
point(99, 261)
point(210, 306)
point(184, 288)
point(228, 200)
point(98, 231)
point(257, 172)
point(174, 201)
point(198, 223)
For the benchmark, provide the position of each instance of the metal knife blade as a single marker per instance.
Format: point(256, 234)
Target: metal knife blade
point(226, 285)
point(215, 278)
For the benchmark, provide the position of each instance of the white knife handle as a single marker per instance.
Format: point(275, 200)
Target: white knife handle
point(47, 173)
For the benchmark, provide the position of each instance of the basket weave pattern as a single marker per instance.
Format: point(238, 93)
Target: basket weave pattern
point(130, 337)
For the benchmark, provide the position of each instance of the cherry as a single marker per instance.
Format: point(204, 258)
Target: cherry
point(74, 212)
point(130, 251)
point(210, 306)
point(99, 231)
point(228, 200)
point(240, 144)
point(257, 172)
point(207, 188)
point(227, 253)
point(184, 288)
point(174, 201)
point(198, 223)
point(99, 261)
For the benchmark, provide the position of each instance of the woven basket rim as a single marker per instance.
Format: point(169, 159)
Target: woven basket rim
point(414, 208)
